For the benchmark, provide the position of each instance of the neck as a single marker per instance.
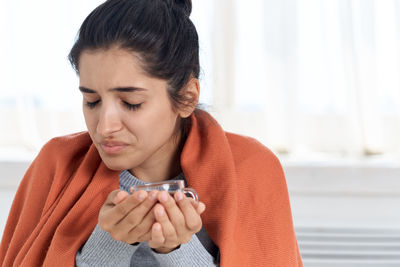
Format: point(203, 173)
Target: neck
point(163, 165)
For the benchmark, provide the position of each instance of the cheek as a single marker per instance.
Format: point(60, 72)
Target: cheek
point(155, 125)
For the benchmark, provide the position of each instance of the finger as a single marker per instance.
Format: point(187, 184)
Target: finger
point(157, 237)
point(119, 197)
point(191, 215)
point(110, 198)
point(138, 213)
point(174, 213)
point(105, 219)
point(110, 217)
point(142, 232)
point(201, 208)
point(197, 205)
point(169, 232)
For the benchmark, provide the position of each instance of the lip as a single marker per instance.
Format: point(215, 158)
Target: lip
point(112, 147)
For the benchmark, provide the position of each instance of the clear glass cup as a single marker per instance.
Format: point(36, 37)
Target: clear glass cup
point(171, 187)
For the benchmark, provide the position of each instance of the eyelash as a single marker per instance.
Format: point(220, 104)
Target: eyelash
point(132, 106)
point(92, 105)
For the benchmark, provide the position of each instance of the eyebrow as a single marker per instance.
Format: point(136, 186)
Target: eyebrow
point(118, 89)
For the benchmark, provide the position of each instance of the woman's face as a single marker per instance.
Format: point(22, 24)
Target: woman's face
point(128, 114)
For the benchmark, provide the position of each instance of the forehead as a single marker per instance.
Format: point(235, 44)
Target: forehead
point(114, 67)
point(109, 61)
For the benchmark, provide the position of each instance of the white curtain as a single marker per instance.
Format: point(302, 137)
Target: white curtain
point(302, 76)
point(39, 98)
point(317, 76)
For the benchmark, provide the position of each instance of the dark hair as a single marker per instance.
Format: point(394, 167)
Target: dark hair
point(160, 31)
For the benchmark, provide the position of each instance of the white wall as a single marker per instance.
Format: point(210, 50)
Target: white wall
point(358, 194)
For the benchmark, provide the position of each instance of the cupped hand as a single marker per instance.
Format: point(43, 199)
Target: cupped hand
point(177, 219)
point(128, 217)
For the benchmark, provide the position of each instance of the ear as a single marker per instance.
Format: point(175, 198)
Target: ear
point(191, 94)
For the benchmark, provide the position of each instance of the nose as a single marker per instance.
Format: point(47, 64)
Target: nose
point(109, 121)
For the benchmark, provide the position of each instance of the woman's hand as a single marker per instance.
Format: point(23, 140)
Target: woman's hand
point(128, 217)
point(178, 218)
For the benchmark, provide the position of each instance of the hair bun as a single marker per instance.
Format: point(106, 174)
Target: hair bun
point(185, 5)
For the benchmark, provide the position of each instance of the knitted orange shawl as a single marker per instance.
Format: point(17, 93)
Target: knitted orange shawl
point(241, 182)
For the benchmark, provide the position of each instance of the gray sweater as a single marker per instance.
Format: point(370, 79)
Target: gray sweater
point(102, 250)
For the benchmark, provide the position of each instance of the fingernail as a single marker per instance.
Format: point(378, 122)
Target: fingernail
point(152, 195)
point(178, 196)
point(164, 197)
point(141, 196)
point(157, 227)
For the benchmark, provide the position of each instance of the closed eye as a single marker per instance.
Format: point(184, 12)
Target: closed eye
point(92, 104)
point(127, 105)
point(132, 106)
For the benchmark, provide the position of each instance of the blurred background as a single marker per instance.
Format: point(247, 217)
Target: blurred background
point(316, 81)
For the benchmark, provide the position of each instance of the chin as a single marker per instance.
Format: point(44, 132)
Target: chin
point(114, 167)
point(117, 163)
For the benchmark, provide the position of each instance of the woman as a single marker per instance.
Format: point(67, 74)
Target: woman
point(138, 66)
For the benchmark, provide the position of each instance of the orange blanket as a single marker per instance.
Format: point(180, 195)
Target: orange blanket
point(241, 182)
